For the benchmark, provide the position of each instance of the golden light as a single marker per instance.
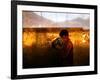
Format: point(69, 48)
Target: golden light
point(28, 39)
point(33, 39)
point(85, 38)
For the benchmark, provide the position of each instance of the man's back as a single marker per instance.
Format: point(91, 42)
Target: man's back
point(64, 51)
point(67, 53)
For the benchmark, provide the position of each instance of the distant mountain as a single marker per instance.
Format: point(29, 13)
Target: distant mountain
point(83, 22)
point(31, 19)
point(78, 22)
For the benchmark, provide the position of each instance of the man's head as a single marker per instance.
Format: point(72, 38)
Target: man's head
point(64, 35)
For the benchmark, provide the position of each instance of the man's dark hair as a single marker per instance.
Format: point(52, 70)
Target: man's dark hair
point(64, 33)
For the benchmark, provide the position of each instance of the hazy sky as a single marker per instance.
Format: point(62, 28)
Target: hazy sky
point(60, 17)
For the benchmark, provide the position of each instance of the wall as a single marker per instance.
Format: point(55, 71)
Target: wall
point(5, 29)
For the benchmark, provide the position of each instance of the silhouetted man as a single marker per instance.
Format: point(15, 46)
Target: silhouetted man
point(65, 48)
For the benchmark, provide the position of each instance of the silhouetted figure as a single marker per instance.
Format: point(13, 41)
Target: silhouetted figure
point(63, 49)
